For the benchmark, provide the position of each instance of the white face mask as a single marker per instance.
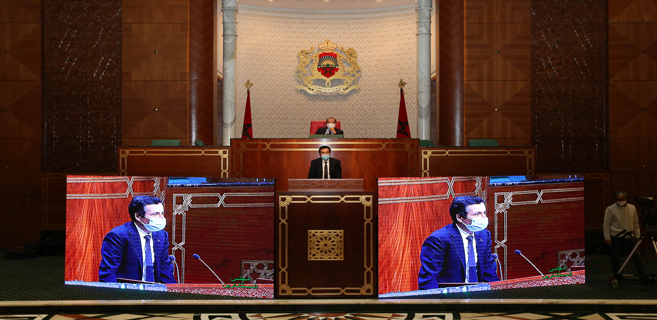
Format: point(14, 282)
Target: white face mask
point(331, 125)
point(477, 224)
point(155, 224)
point(621, 203)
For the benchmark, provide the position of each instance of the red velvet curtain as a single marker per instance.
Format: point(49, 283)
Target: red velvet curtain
point(94, 206)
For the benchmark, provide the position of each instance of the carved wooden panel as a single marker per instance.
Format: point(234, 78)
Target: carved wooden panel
point(569, 105)
point(352, 276)
point(632, 109)
point(20, 109)
point(497, 11)
point(20, 51)
point(632, 11)
point(633, 51)
point(154, 110)
point(155, 11)
point(155, 51)
point(82, 92)
point(498, 109)
point(497, 51)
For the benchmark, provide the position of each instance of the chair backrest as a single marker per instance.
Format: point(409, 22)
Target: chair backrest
point(165, 143)
point(483, 143)
point(316, 124)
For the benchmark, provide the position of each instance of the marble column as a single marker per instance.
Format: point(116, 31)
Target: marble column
point(229, 9)
point(423, 10)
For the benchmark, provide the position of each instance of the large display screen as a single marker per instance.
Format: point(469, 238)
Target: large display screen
point(527, 232)
point(175, 234)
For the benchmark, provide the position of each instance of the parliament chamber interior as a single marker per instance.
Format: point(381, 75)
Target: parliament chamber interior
point(327, 159)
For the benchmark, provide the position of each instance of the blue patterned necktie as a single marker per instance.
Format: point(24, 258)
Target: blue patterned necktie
point(149, 261)
point(472, 264)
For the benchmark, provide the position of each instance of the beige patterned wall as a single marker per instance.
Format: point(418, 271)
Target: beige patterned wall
point(267, 55)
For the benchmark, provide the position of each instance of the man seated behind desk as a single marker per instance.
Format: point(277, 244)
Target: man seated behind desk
point(325, 167)
point(448, 254)
point(138, 249)
point(330, 127)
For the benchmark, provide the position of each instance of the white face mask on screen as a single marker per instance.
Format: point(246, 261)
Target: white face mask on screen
point(621, 203)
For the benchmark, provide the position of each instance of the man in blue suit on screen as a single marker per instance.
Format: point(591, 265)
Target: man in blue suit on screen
point(138, 250)
point(461, 251)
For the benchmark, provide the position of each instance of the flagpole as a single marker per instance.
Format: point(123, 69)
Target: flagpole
point(247, 126)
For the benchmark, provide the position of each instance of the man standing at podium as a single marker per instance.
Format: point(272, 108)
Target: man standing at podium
point(325, 167)
point(138, 250)
point(460, 252)
point(330, 127)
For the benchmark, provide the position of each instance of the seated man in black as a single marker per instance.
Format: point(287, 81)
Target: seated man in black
point(325, 167)
point(330, 127)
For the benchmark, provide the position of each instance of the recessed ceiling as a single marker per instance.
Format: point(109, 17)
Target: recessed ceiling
point(326, 5)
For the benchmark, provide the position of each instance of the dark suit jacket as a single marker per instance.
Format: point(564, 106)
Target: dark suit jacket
point(315, 171)
point(443, 258)
point(323, 131)
point(122, 255)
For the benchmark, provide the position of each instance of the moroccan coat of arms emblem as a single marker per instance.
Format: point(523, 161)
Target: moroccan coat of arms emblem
point(328, 69)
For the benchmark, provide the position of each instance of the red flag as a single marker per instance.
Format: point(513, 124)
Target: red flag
point(402, 121)
point(247, 129)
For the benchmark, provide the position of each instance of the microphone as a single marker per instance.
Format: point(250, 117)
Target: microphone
point(173, 258)
point(520, 254)
point(197, 257)
point(496, 257)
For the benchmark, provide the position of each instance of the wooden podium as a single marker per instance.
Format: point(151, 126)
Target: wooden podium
point(325, 243)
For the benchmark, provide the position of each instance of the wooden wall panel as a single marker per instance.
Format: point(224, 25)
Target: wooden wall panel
point(497, 51)
point(154, 110)
point(155, 11)
point(632, 96)
point(632, 109)
point(20, 170)
point(451, 72)
point(201, 70)
point(497, 11)
point(20, 51)
point(154, 52)
point(16, 233)
point(155, 71)
point(633, 163)
point(633, 51)
point(20, 107)
point(632, 11)
point(497, 71)
point(20, 11)
point(20, 122)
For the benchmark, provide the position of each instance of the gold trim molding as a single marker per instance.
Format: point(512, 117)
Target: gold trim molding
point(124, 153)
point(528, 153)
point(284, 289)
